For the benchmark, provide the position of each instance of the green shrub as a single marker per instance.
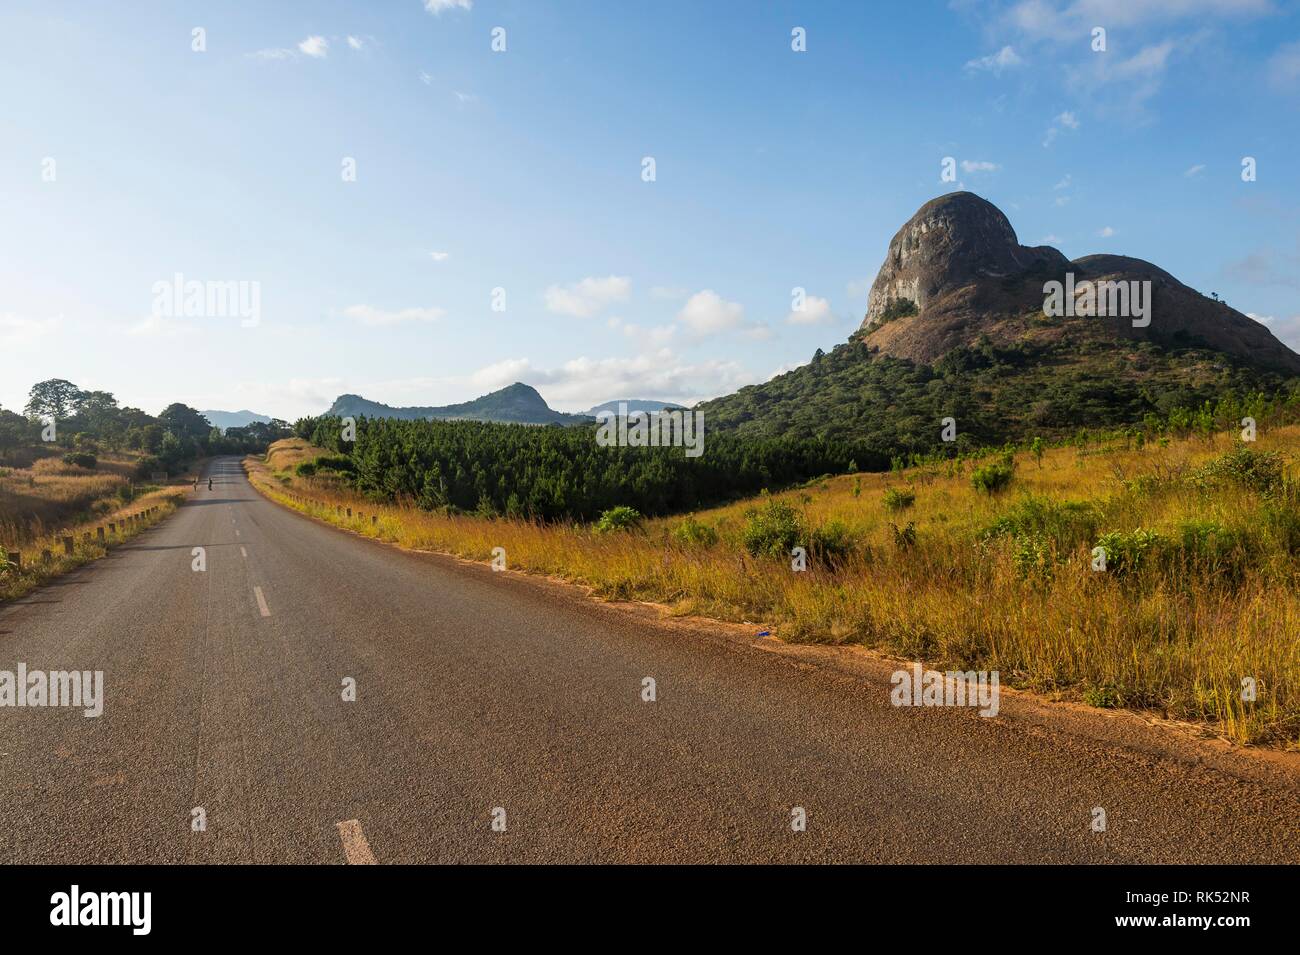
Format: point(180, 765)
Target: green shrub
point(1205, 548)
point(904, 538)
point(621, 518)
point(1261, 471)
point(1104, 696)
point(898, 500)
point(82, 459)
point(691, 533)
point(339, 462)
point(1034, 557)
point(898, 308)
point(1129, 551)
point(1067, 524)
point(772, 529)
point(832, 542)
point(305, 469)
point(995, 476)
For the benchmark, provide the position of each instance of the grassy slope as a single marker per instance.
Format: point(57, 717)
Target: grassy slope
point(46, 500)
point(1178, 643)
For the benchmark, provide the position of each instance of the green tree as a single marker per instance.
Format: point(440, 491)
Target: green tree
point(55, 398)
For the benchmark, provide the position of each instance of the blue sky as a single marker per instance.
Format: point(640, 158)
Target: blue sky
point(522, 170)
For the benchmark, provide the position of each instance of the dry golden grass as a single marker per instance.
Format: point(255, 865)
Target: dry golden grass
point(1178, 643)
point(128, 520)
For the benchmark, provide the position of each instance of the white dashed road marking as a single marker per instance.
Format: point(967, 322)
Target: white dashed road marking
point(261, 602)
point(355, 846)
point(242, 552)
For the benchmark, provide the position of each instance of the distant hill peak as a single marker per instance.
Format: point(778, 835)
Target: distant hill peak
point(234, 419)
point(514, 404)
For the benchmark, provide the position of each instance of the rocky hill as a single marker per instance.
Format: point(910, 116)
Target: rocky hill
point(955, 325)
point(956, 271)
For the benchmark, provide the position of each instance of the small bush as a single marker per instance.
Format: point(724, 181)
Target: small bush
point(772, 529)
point(994, 477)
point(621, 518)
point(832, 542)
point(904, 538)
point(339, 463)
point(82, 459)
point(1104, 696)
point(1261, 471)
point(1067, 524)
point(305, 469)
point(898, 500)
point(898, 308)
point(691, 533)
point(1034, 557)
point(1127, 552)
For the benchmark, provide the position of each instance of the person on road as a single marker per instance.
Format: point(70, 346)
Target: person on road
point(209, 484)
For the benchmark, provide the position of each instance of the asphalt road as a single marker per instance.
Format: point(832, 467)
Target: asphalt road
point(474, 690)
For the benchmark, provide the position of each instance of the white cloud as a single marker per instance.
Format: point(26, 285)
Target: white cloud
point(580, 383)
point(369, 315)
point(316, 46)
point(440, 256)
point(1064, 183)
point(588, 297)
point(707, 313)
point(437, 6)
point(1060, 121)
point(816, 311)
point(995, 63)
point(978, 165)
point(1287, 330)
point(1049, 240)
point(425, 78)
point(355, 42)
point(1105, 232)
point(464, 98)
point(1195, 171)
point(1065, 22)
point(1284, 67)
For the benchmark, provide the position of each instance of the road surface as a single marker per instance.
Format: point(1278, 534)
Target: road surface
point(478, 692)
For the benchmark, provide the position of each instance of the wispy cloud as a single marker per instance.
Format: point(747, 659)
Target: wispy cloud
point(587, 297)
point(1195, 171)
point(436, 7)
point(1284, 68)
point(1061, 121)
point(583, 382)
point(978, 165)
point(995, 63)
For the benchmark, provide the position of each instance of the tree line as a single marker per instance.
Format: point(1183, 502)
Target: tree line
point(554, 472)
point(85, 422)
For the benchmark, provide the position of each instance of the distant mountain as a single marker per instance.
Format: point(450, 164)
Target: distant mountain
point(233, 419)
point(956, 326)
point(514, 404)
point(633, 404)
